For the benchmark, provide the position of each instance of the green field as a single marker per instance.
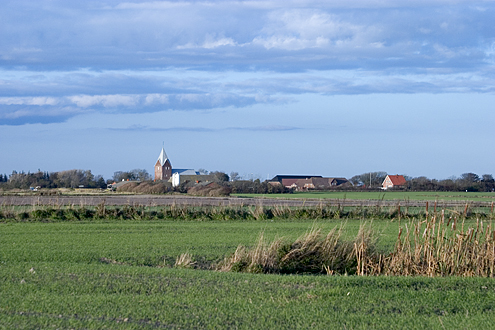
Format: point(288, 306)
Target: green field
point(387, 195)
point(51, 275)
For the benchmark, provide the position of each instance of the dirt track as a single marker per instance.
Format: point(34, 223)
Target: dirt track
point(156, 200)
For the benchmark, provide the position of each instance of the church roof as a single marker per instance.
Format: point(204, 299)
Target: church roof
point(184, 171)
point(163, 157)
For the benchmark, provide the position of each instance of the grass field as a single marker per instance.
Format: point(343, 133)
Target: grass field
point(51, 275)
point(387, 195)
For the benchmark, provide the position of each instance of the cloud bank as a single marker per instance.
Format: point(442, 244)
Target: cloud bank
point(59, 59)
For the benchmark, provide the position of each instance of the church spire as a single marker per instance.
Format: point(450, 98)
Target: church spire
point(163, 157)
point(163, 167)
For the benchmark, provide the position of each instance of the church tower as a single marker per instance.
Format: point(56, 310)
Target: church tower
point(163, 168)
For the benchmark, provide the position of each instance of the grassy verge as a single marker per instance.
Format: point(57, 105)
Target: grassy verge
point(46, 213)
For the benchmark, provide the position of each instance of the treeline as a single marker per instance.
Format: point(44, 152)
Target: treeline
point(63, 179)
point(370, 180)
point(134, 175)
point(466, 182)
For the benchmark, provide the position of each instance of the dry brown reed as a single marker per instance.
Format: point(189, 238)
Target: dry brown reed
point(311, 253)
point(434, 246)
point(185, 260)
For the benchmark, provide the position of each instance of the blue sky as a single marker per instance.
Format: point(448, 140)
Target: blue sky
point(335, 88)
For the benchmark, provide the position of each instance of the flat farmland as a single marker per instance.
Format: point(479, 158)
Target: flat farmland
point(385, 195)
point(119, 275)
point(297, 199)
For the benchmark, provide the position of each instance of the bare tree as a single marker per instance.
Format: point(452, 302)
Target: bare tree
point(234, 176)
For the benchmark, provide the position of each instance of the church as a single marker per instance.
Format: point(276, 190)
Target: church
point(165, 172)
point(163, 167)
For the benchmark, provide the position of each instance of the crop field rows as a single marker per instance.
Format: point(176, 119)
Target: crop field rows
point(129, 297)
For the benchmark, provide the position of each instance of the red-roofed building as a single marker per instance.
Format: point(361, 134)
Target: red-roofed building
point(393, 181)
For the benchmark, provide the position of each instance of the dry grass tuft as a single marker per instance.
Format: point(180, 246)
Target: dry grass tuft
point(185, 260)
point(312, 253)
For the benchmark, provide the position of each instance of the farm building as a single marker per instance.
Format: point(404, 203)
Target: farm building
point(181, 176)
point(313, 183)
point(393, 181)
point(279, 178)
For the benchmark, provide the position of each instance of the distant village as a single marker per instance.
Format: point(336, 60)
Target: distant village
point(164, 171)
point(169, 179)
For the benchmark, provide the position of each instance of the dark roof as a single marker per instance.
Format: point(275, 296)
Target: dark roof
point(279, 178)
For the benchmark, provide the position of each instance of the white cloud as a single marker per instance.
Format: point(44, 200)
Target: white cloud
point(300, 29)
point(34, 100)
point(153, 5)
point(45, 113)
point(152, 99)
point(220, 42)
point(108, 101)
point(210, 43)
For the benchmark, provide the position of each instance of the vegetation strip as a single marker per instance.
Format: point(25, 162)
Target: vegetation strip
point(11, 213)
point(432, 247)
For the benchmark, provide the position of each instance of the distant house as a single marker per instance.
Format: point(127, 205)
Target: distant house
point(393, 181)
point(290, 183)
point(337, 181)
point(313, 183)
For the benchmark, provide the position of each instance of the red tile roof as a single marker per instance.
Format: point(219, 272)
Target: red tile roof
point(397, 180)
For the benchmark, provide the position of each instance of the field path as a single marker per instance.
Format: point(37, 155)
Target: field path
point(161, 200)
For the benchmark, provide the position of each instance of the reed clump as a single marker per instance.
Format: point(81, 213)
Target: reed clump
point(431, 247)
point(312, 253)
point(439, 247)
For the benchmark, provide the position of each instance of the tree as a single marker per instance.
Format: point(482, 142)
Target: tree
point(219, 176)
point(487, 178)
point(488, 182)
point(470, 177)
point(73, 178)
point(141, 175)
point(370, 179)
point(99, 182)
point(421, 183)
point(234, 176)
point(134, 175)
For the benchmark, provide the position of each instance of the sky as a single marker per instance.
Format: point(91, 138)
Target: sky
point(334, 88)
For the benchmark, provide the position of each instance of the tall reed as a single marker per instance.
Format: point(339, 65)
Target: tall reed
point(433, 246)
point(311, 253)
